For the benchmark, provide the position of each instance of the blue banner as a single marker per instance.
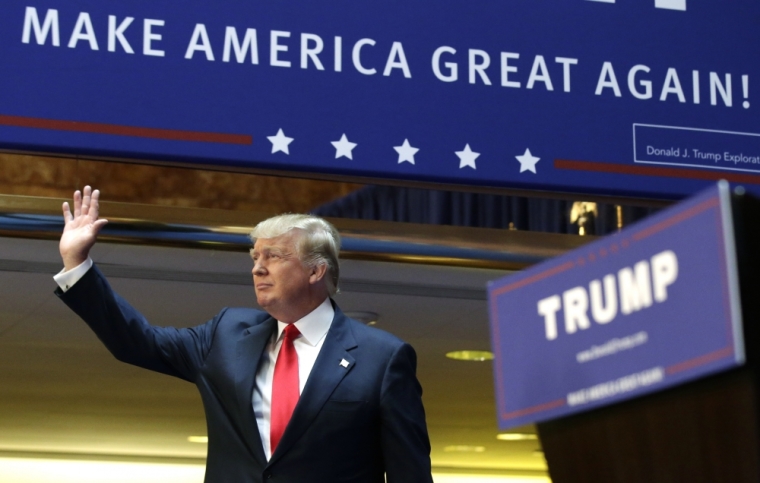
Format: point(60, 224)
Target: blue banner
point(653, 306)
point(574, 96)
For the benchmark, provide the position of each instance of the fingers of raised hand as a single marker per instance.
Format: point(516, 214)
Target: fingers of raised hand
point(77, 203)
point(86, 200)
point(67, 216)
point(94, 208)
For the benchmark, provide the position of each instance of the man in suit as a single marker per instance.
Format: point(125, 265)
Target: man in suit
point(297, 394)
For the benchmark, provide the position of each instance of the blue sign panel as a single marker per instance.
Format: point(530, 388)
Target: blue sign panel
point(647, 308)
point(574, 95)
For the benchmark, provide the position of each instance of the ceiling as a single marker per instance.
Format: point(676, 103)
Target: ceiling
point(62, 393)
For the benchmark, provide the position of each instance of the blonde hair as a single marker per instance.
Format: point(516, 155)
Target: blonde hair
point(319, 244)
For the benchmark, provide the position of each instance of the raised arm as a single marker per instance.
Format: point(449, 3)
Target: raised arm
point(123, 330)
point(81, 227)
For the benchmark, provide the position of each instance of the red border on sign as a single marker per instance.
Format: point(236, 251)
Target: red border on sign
point(617, 245)
point(661, 171)
point(119, 130)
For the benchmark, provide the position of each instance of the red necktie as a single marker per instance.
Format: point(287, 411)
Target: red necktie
point(285, 390)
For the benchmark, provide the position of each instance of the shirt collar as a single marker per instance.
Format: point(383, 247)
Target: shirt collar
point(314, 325)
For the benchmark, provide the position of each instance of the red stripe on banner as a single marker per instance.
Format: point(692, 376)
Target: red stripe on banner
point(535, 278)
point(656, 171)
point(117, 130)
point(678, 218)
point(701, 360)
point(534, 409)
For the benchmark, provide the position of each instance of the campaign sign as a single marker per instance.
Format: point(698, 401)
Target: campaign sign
point(652, 98)
point(652, 306)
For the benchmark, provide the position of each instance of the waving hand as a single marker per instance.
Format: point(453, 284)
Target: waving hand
point(81, 228)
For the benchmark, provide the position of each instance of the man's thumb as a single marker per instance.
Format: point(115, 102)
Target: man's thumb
point(98, 225)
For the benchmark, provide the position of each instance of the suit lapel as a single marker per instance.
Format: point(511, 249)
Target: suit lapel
point(323, 379)
point(249, 350)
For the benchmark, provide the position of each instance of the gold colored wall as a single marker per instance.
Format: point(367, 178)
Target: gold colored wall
point(53, 177)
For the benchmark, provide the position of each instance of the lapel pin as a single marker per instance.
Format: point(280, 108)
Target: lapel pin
point(344, 363)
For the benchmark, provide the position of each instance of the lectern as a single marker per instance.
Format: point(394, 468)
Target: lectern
point(647, 371)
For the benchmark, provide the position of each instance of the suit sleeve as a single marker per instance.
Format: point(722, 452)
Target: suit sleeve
point(129, 336)
point(404, 437)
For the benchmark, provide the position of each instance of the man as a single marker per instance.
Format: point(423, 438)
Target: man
point(299, 394)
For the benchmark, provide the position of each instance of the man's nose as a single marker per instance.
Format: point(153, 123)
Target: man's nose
point(258, 268)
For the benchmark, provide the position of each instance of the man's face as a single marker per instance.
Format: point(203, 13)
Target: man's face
point(280, 279)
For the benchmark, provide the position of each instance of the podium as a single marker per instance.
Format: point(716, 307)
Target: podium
point(579, 370)
point(702, 431)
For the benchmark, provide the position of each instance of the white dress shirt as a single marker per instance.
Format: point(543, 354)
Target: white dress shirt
point(313, 328)
point(67, 279)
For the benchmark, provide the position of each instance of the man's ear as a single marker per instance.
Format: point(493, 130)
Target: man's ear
point(317, 273)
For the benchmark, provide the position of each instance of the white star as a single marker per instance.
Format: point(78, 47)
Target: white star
point(280, 142)
point(467, 157)
point(343, 147)
point(406, 152)
point(527, 161)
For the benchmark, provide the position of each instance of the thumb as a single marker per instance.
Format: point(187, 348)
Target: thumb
point(98, 225)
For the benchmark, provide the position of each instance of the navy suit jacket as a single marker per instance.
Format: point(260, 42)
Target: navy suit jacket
point(359, 423)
